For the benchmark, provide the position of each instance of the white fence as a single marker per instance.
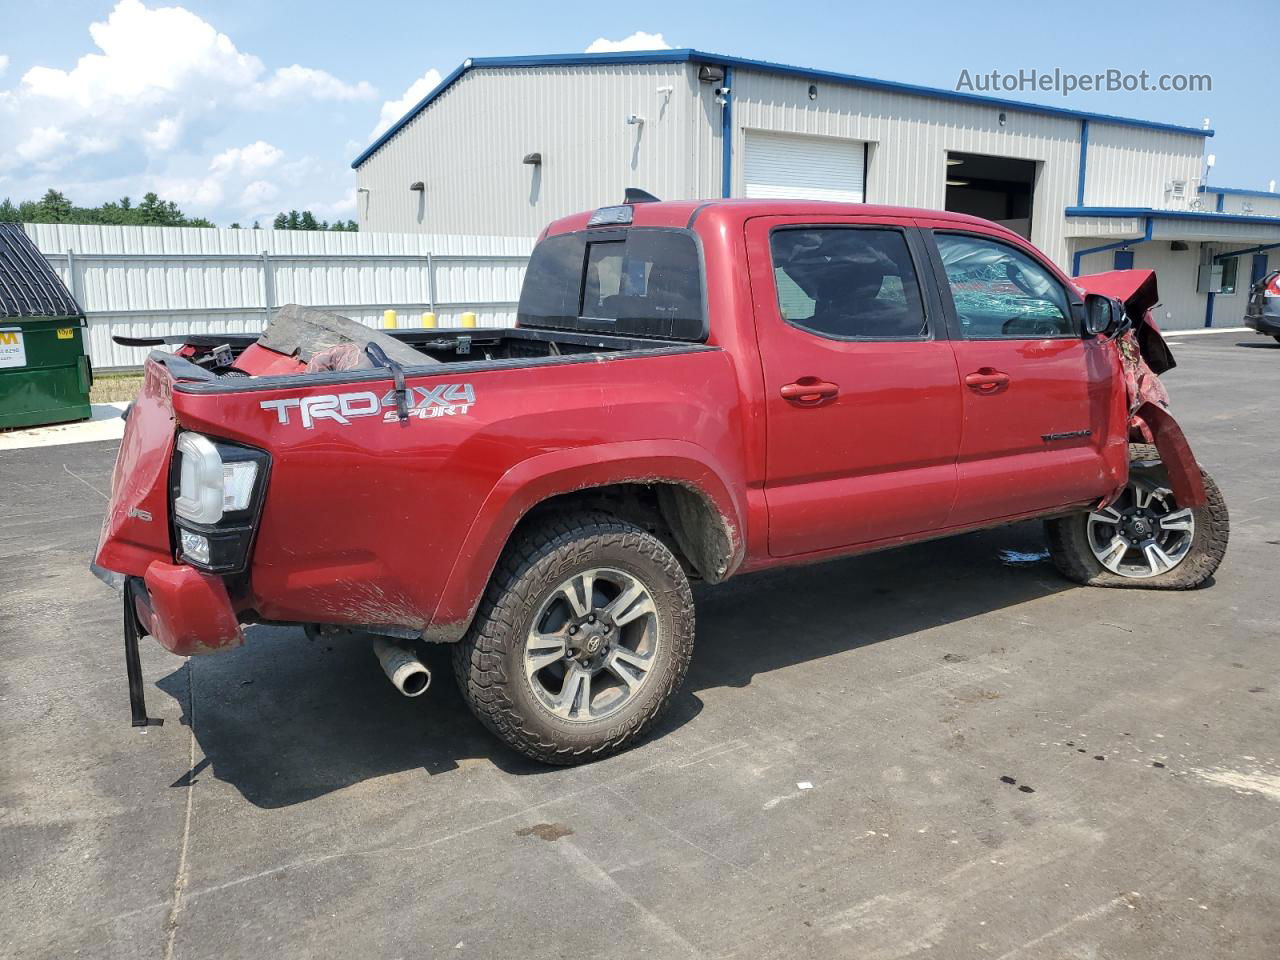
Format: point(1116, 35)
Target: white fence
point(161, 281)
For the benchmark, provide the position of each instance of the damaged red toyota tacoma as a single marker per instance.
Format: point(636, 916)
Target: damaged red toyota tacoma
point(693, 390)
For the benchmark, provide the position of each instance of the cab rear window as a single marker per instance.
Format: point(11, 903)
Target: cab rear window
point(636, 282)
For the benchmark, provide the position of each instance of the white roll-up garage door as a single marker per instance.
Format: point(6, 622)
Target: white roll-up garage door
point(804, 168)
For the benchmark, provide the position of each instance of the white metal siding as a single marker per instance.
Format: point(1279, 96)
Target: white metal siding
point(1133, 166)
point(1181, 307)
point(1109, 228)
point(1249, 206)
point(910, 137)
point(804, 168)
point(468, 145)
point(162, 281)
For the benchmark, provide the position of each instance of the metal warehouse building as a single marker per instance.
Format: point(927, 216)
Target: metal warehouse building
point(504, 145)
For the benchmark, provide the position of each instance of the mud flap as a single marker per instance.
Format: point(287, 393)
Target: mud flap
point(1179, 462)
point(133, 663)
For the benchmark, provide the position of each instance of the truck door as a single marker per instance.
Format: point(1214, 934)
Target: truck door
point(1040, 401)
point(862, 397)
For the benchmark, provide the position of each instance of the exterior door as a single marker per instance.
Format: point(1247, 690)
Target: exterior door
point(1039, 400)
point(1258, 270)
point(862, 399)
point(778, 166)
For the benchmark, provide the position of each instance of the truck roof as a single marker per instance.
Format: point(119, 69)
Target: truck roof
point(683, 213)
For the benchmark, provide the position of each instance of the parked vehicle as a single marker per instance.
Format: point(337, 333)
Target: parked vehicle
point(1263, 310)
point(694, 390)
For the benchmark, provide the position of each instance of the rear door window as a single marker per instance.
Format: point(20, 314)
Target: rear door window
point(848, 283)
point(637, 282)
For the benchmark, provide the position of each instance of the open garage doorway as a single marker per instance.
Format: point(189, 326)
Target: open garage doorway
point(994, 188)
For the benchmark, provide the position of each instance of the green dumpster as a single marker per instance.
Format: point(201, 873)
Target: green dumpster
point(44, 373)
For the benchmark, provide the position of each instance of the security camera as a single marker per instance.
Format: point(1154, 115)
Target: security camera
point(723, 91)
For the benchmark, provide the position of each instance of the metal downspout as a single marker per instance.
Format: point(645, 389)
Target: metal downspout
point(726, 136)
point(1081, 254)
point(1084, 161)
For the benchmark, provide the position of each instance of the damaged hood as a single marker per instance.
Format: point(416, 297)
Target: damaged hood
point(1137, 290)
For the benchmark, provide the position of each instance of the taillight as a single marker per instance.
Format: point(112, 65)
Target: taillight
point(1273, 286)
point(217, 490)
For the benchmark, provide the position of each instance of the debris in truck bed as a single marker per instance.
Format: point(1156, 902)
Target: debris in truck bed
point(305, 332)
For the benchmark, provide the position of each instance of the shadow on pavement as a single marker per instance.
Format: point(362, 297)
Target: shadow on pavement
point(285, 719)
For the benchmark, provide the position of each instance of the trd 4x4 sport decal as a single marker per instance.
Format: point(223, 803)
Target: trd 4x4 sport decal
point(442, 400)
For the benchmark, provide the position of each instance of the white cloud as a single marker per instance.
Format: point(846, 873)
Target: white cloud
point(148, 57)
point(637, 41)
point(164, 135)
point(4, 64)
point(201, 193)
point(343, 208)
point(159, 83)
point(235, 172)
point(393, 110)
point(246, 161)
point(298, 81)
point(258, 193)
point(41, 143)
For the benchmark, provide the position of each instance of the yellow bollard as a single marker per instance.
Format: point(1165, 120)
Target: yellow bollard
point(468, 319)
point(389, 319)
point(428, 319)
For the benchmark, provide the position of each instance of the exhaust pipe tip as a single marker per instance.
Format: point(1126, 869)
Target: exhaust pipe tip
point(406, 672)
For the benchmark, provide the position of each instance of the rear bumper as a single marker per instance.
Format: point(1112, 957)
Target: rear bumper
point(188, 612)
point(1268, 323)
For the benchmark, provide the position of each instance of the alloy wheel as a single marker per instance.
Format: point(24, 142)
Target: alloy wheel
point(592, 644)
point(1144, 533)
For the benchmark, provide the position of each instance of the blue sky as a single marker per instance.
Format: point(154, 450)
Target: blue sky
point(238, 109)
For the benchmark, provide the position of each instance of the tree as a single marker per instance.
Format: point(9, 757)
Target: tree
point(234, 226)
point(256, 225)
point(306, 220)
point(55, 207)
point(158, 213)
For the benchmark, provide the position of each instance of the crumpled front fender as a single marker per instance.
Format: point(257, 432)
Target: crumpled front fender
point(1184, 473)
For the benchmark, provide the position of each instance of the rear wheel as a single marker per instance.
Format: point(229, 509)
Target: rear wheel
point(1276, 337)
point(582, 639)
point(1145, 538)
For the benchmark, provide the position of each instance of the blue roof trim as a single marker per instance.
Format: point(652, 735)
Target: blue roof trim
point(1171, 215)
point(1238, 192)
point(688, 55)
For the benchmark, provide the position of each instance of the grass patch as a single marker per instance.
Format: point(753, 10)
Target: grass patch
point(113, 387)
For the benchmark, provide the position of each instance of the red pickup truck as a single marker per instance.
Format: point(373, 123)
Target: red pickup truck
point(693, 390)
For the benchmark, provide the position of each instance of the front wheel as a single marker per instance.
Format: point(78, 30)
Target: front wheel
point(1144, 538)
point(581, 641)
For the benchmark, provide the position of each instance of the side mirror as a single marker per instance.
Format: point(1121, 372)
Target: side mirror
point(1103, 315)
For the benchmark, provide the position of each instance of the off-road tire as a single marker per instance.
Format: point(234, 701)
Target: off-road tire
point(489, 662)
point(1069, 543)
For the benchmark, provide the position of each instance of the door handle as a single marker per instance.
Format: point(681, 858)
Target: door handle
point(986, 380)
point(809, 391)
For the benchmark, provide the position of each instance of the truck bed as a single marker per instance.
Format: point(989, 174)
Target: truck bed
point(451, 346)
